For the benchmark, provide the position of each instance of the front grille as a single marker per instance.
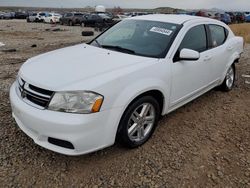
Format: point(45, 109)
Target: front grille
point(33, 95)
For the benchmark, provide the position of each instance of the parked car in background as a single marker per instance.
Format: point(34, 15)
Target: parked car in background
point(205, 14)
point(119, 17)
point(91, 20)
point(7, 15)
point(72, 18)
point(97, 20)
point(1, 15)
point(37, 17)
point(52, 18)
point(21, 15)
point(191, 13)
point(86, 97)
point(225, 18)
point(240, 17)
point(216, 15)
point(106, 18)
point(247, 16)
point(232, 16)
point(247, 19)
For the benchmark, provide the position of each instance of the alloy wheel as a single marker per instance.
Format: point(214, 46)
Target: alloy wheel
point(141, 122)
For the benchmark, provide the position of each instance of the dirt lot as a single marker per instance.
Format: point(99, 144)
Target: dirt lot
point(204, 144)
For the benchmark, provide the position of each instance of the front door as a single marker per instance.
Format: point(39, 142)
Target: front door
point(189, 78)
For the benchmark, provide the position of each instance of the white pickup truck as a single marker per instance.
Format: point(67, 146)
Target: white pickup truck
point(83, 98)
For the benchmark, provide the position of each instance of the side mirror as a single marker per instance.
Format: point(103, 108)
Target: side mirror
point(189, 55)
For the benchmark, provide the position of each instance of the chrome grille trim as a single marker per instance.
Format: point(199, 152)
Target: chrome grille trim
point(27, 89)
point(31, 97)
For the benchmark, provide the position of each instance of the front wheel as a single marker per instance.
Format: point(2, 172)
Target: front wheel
point(138, 122)
point(229, 80)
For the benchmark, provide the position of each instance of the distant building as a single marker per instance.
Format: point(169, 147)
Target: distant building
point(100, 8)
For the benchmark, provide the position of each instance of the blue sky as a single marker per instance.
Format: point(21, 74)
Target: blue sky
point(188, 4)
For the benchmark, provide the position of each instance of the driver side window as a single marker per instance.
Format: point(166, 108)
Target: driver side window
point(195, 39)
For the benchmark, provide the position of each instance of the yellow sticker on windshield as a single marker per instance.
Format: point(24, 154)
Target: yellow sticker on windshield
point(161, 31)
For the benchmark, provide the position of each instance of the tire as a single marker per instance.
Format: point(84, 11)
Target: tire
point(87, 33)
point(132, 130)
point(229, 80)
point(71, 23)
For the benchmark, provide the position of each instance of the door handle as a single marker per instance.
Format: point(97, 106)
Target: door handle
point(229, 48)
point(207, 58)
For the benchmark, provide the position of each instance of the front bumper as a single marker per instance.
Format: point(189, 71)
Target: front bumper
point(86, 132)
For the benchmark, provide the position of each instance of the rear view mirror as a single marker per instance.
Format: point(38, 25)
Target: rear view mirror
point(189, 55)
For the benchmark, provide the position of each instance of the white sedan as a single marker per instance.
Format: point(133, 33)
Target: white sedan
point(52, 18)
point(83, 98)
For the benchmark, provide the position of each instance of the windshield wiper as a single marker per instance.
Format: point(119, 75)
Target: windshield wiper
point(119, 48)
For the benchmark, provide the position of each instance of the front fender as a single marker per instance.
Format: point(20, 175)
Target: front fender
point(129, 93)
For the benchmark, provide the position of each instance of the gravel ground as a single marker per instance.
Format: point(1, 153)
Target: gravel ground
point(203, 144)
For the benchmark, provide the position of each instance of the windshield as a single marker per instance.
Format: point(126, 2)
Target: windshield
point(140, 37)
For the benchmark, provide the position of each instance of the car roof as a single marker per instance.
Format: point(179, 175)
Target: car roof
point(170, 18)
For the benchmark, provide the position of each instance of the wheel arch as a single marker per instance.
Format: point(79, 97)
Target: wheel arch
point(234, 59)
point(155, 93)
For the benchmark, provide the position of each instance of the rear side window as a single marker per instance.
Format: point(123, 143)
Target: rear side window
point(218, 35)
point(195, 39)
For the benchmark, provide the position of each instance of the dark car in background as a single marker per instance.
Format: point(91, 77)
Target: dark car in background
point(240, 17)
point(232, 16)
point(72, 18)
point(225, 18)
point(91, 20)
point(97, 20)
point(21, 15)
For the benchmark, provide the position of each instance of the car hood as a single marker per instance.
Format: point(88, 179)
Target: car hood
point(60, 68)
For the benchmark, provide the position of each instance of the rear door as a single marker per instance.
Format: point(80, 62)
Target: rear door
point(220, 48)
point(190, 78)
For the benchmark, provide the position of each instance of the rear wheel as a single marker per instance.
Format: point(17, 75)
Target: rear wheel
point(138, 122)
point(229, 80)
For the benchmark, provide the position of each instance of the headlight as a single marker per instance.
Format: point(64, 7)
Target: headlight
point(82, 102)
